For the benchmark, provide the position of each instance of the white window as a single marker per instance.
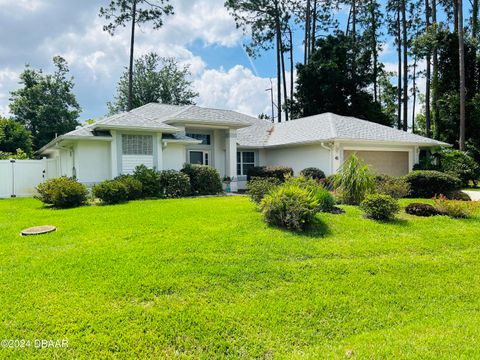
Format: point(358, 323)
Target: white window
point(137, 145)
point(245, 161)
point(198, 157)
point(204, 138)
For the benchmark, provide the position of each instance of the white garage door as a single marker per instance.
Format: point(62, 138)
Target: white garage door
point(394, 163)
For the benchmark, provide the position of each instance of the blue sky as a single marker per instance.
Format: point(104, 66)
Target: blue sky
point(201, 34)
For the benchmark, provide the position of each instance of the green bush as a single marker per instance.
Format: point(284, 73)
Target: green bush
point(453, 208)
point(111, 191)
point(354, 181)
point(458, 195)
point(204, 180)
point(278, 172)
point(257, 188)
point(289, 206)
point(313, 173)
point(428, 183)
point(419, 209)
point(459, 164)
point(150, 181)
point(326, 201)
point(395, 187)
point(380, 207)
point(134, 186)
point(62, 192)
point(174, 184)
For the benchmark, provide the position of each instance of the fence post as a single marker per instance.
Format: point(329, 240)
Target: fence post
point(12, 161)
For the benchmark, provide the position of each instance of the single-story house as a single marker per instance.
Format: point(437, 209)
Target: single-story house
point(166, 137)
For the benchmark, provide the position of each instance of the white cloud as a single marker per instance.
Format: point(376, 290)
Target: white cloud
point(236, 89)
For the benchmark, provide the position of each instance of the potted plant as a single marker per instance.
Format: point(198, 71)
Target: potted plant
point(227, 180)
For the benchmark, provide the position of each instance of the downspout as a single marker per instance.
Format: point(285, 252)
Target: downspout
point(322, 144)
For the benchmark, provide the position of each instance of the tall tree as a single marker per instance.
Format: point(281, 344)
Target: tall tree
point(326, 83)
point(46, 104)
point(461, 63)
point(14, 136)
point(155, 79)
point(120, 13)
point(405, 63)
point(428, 59)
point(265, 21)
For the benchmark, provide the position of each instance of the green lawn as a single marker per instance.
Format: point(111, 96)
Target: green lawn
point(206, 278)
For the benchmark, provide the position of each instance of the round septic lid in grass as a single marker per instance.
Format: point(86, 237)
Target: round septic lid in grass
point(38, 230)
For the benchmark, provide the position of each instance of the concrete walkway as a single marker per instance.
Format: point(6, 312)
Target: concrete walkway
point(474, 195)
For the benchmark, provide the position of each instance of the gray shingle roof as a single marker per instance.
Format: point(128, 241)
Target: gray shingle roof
point(325, 127)
point(133, 120)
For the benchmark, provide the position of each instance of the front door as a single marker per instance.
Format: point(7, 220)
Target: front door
point(199, 157)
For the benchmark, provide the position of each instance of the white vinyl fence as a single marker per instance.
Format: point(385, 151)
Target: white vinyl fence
point(18, 178)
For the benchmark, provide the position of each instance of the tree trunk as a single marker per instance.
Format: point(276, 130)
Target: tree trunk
point(455, 15)
point(307, 34)
point(292, 65)
point(405, 66)
point(414, 92)
point(436, 112)
point(475, 38)
point(279, 72)
point(375, 54)
point(314, 27)
point(399, 77)
point(461, 55)
point(427, 76)
point(284, 78)
point(130, 68)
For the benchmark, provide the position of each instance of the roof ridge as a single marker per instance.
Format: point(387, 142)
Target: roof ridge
point(181, 111)
point(332, 125)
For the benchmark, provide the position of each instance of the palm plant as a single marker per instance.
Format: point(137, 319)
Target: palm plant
point(354, 181)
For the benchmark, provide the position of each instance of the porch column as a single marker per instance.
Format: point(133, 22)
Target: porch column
point(159, 152)
point(114, 154)
point(231, 157)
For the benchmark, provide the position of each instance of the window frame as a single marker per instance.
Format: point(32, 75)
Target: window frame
point(144, 145)
point(242, 163)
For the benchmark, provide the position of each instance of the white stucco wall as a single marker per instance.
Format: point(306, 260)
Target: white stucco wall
point(174, 156)
point(300, 157)
point(92, 161)
point(219, 160)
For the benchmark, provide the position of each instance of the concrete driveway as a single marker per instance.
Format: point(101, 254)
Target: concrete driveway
point(474, 195)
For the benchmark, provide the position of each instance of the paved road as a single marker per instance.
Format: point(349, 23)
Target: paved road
point(474, 195)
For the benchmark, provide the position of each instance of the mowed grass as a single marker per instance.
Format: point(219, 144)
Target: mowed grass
point(206, 278)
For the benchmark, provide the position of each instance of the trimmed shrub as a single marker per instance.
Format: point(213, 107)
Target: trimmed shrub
point(278, 172)
point(134, 186)
point(257, 188)
point(204, 180)
point(428, 183)
point(289, 206)
point(62, 192)
point(150, 181)
point(111, 191)
point(354, 181)
point(380, 207)
point(458, 195)
point(313, 173)
point(174, 184)
point(326, 201)
point(395, 187)
point(419, 209)
point(453, 208)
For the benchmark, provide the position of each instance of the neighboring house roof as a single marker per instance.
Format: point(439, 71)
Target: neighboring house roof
point(324, 128)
